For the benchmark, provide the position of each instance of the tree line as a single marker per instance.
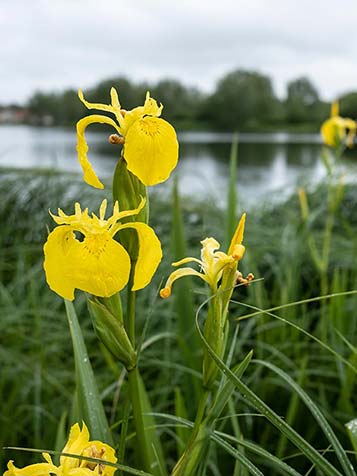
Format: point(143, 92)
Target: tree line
point(242, 100)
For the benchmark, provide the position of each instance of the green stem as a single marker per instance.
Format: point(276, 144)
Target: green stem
point(133, 380)
point(192, 454)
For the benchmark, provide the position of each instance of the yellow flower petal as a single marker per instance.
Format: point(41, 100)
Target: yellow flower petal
point(114, 107)
point(335, 109)
point(149, 255)
point(89, 175)
point(98, 264)
point(39, 469)
point(188, 260)
point(333, 131)
point(238, 235)
point(150, 108)
point(77, 441)
point(179, 273)
point(97, 449)
point(151, 149)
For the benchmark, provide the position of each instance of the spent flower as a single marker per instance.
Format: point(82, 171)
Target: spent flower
point(81, 253)
point(150, 142)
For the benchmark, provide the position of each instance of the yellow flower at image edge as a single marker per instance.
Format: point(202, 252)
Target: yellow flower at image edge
point(212, 262)
point(150, 143)
point(336, 129)
point(78, 444)
point(82, 254)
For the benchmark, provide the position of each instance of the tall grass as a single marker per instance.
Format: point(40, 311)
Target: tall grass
point(37, 383)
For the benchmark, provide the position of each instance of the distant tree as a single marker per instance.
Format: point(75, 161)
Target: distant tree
point(70, 107)
point(180, 102)
point(42, 104)
point(241, 98)
point(302, 101)
point(130, 95)
point(348, 105)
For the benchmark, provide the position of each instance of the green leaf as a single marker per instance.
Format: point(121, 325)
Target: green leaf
point(183, 303)
point(317, 414)
point(231, 215)
point(183, 434)
point(89, 403)
point(352, 433)
point(250, 397)
point(224, 394)
point(157, 454)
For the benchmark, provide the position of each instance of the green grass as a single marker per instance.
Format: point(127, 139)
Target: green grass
point(37, 379)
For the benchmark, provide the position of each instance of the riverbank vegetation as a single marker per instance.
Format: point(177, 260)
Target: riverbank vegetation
point(242, 100)
point(313, 342)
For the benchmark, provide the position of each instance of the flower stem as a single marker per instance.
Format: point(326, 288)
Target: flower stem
point(192, 455)
point(134, 385)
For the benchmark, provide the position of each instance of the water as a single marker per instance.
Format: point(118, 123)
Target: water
point(268, 164)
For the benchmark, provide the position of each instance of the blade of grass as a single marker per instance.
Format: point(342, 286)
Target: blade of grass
point(231, 215)
point(309, 451)
point(317, 414)
point(89, 403)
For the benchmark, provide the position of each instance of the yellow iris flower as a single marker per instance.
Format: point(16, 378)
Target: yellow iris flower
point(77, 444)
point(150, 143)
point(97, 264)
point(336, 129)
point(212, 262)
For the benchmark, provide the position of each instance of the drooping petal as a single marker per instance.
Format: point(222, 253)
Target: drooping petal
point(98, 265)
point(180, 273)
point(38, 469)
point(238, 235)
point(151, 149)
point(89, 175)
point(56, 250)
point(149, 254)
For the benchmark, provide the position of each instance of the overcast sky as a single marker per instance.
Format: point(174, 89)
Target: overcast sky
point(54, 44)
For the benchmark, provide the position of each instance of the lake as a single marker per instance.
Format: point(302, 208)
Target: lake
point(268, 164)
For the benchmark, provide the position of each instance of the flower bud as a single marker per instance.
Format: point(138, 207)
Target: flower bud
point(110, 330)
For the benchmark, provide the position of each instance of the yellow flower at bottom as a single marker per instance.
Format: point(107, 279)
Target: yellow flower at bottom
point(212, 262)
point(77, 444)
point(38, 469)
point(336, 129)
point(82, 254)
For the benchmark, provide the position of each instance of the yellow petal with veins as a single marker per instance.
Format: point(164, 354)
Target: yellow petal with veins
point(89, 175)
point(151, 149)
point(97, 265)
point(149, 254)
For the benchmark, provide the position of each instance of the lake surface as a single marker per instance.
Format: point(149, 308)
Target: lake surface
point(268, 164)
